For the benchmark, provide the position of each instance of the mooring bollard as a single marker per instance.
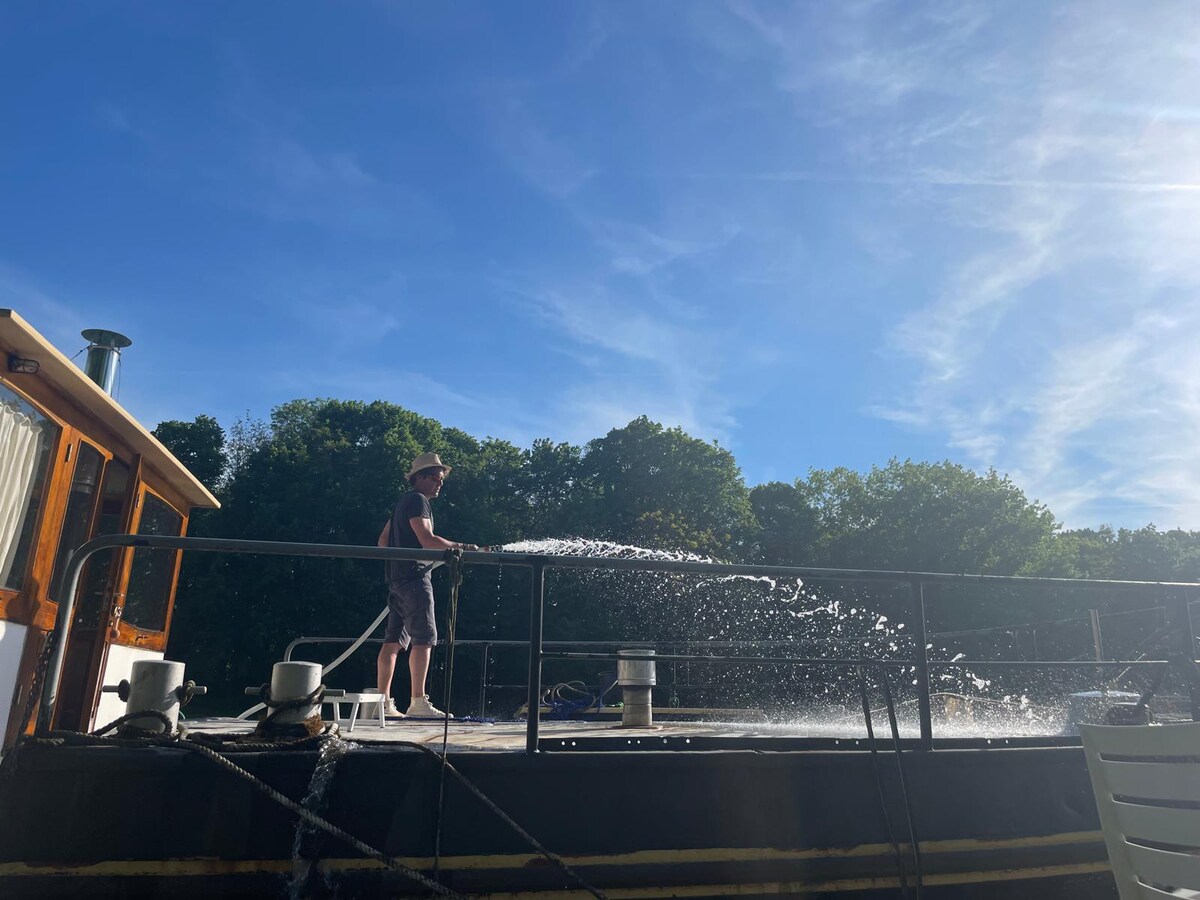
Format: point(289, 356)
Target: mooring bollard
point(295, 681)
point(153, 684)
point(635, 675)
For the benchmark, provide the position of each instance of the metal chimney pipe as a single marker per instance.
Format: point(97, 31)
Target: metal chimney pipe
point(104, 356)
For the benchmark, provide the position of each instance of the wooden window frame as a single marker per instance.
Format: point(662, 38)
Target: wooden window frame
point(29, 604)
point(122, 632)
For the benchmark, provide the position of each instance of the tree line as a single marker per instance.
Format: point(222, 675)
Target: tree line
point(329, 471)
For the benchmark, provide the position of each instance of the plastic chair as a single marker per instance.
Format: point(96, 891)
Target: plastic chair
point(1146, 779)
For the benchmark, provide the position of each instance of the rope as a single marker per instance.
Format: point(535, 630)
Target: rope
point(39, 675)
point(508, 820)
point(318, 822)
point(454, 559)
point(912, 832)
point(562, 707)
point(138, 732)
point(60, 738)
point(454, 564)
point(887, 819)
point(279, 707)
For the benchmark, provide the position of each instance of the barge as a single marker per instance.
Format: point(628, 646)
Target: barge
point(538, 809)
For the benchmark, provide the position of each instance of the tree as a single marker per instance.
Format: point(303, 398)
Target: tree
point(661, 488)
point(199, 445)
point(931, 517)
point(787, 529)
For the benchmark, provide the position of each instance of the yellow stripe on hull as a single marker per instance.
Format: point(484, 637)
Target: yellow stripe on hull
point(516, 861)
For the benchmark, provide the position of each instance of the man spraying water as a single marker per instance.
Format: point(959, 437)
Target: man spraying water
point(410, 622)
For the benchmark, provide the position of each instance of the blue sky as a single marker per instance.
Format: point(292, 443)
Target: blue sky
point(821, 233)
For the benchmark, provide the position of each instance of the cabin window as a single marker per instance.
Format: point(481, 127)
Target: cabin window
point(110, 519)
point(77, 521)
point(153, 571)
point(26, 439)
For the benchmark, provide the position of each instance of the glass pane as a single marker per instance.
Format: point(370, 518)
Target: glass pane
point(26, 439)
point(77, 520)
point(152, 571)
point(109, 519)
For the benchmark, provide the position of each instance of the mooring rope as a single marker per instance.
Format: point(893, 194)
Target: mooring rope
point(454, 561)
point(319, 822)
point(912, 832)
point(455, 567)
point(883, 805)
point(508, 820)
point(60, 738)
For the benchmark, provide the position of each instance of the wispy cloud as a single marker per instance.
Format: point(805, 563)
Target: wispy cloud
point(668, 367)
point(1068, 174)
point(543, 158)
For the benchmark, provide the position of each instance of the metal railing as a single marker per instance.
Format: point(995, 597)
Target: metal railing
point(1174, 596)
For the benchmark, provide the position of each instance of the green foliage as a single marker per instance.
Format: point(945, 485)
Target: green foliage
point(786, 526)
point(199, 445)
point(1145, 554)
point(328, 471)
point(661, 488)
point(924, 517)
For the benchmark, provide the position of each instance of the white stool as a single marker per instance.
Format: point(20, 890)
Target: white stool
point(355, 701)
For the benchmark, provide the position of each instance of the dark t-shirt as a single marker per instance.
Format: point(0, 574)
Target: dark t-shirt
point(410, 506)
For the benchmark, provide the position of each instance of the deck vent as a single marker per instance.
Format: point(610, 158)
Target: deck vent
point(104, 356)
point(636, 676)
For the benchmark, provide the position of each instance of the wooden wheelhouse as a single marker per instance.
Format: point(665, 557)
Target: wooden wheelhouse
point(75, 465)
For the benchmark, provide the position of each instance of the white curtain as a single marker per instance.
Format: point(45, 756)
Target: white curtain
point(21, 440)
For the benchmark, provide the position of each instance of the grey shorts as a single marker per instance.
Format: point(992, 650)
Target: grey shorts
point(410, 613)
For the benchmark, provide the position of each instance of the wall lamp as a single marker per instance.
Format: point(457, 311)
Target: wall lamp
point(21, 365)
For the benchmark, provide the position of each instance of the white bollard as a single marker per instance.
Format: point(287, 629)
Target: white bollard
point(294, 681)
point(152, 685)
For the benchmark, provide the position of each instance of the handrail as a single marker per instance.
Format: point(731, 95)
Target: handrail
point(538, 563)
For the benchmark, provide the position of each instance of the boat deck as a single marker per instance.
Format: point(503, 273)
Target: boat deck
point(510, 736)
point(564, 736)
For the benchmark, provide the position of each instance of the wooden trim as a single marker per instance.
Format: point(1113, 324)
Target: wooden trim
point(34, 640)
point(9, 604)
point(46, 610)
point(129, 635)
point(68, 383)
point(39, 609)
point(166, 632)
point(116, 606)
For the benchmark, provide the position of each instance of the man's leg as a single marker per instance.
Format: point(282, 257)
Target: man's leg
point(418, 667)
point(385, 667)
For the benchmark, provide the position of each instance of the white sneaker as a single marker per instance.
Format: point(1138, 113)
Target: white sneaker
point(422, 708)
point(390, 711)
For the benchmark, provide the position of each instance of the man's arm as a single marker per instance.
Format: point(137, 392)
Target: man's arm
point(430, 541)
point(384, 535)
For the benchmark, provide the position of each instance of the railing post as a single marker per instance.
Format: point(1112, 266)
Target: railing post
point(483, 675)
point(921, 663)
point(1097, 637)
point(537, 596)
point(1181, 646)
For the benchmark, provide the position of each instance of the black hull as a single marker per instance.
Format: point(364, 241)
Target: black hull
point(150, 822)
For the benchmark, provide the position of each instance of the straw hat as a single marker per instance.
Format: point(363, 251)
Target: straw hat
point(427, 461)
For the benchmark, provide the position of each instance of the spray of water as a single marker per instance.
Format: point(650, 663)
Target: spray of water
point(332, 751)
point(761, 616)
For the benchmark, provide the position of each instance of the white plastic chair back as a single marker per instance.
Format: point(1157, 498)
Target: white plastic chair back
point(1147, 784)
